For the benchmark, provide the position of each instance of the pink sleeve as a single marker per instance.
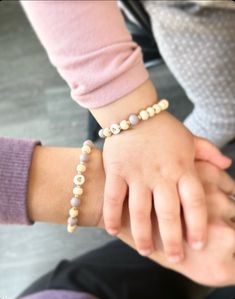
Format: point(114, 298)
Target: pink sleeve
point(88, 43)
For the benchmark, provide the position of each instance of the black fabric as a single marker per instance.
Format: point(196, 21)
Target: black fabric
point(115, 271)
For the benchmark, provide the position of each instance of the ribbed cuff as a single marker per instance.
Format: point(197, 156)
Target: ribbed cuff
point(15, 161)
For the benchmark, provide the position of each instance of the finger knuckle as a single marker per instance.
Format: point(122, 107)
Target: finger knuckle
point(197, 201)
point(140, 215)
point(168, 216)
point(113, 199)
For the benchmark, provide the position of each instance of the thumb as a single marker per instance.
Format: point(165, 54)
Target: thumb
point(207, 151)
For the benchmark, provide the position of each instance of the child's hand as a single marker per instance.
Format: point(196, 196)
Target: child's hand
point(154, 163)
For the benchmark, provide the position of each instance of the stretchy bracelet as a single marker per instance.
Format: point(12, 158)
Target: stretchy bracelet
point(78, 181)
point(134, 119)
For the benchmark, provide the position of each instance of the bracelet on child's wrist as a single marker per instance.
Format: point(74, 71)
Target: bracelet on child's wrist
point(134, 119)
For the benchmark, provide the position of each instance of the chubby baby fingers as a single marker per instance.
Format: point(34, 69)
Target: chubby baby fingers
point(195, 210)
point(167, 207)
point(140, 205)
point(114, 195)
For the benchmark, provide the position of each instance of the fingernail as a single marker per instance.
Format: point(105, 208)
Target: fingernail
point(198, 245)
point(175, 258)
point(145, 252)
point(112, 232)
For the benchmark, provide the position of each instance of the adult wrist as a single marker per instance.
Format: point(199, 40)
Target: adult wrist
point(51, 183)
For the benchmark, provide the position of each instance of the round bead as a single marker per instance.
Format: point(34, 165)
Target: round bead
point(72, 221)
point(75, 202)
point(86, 149)
point(133, 119)
point(73, 212)
point(157, 108)
point(124, 124)
point(89, 143)
point(81, 168)
point(84, 157)
point(107, 132)
point(164, 104)
point(101, 133)
point(150, 111)
point(71, 228)
point(144, 115)
point(79, 179)
point(77, 191)
point(115, 129)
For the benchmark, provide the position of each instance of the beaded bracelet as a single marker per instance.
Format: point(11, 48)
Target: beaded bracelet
point(78, 180)
point(134, 119)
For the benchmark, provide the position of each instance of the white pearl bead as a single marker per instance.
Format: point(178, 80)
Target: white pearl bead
point(73, 212)
point(71, 228)
point(124, 124)
point(77, 191)
point(89, 143)
point(81, 168)
point(107, 132)
point(157, 108)
point(150, 111)
point(144, 115)
point(164, 104)
point(115, 129)
point(101, 133)
point(86, 149)
point(79, 179)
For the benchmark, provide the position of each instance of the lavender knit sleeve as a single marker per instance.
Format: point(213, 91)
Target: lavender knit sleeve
point(15, 161)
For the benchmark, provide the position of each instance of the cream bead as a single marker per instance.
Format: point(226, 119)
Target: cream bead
point(115, 129)
point(79, 179)
point(73, 212)
point(71, 228)
point(77, 190)
point(150, 111)
point(144, 115)
point(107, 132)
point(81, 168)
point(157, 108)
point(164, 104)
point(86, 149)
point(125, 125)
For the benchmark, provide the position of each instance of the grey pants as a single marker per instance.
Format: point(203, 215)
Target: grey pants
point(198, 45)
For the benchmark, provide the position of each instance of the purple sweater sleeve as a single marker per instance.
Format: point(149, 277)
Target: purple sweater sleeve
point(15, 161)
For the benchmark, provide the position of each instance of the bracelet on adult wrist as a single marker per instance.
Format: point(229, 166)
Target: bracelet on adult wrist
point(78, 180)
point(134, 119)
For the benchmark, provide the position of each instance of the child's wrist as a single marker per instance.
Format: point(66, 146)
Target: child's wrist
point(143, 96)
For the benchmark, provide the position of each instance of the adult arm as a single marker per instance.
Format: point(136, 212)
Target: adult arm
point(46, 189)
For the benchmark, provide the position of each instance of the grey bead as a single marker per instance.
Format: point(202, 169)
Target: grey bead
point(83, 157)
point(133, 119)
point(101, 134)
point(89, 143)
point(72, 221)
point(75, 202)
